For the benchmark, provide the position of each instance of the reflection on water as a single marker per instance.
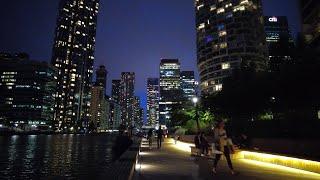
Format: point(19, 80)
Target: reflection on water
point(55, 156)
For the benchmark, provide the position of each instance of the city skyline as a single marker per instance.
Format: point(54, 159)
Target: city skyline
point(160, 89)
point(182, 17)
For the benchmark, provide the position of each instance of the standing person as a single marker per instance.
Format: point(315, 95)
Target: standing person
point(221, 139)
point(150, 133)
point(204, 144)
point(197, 143)
point(159, 138)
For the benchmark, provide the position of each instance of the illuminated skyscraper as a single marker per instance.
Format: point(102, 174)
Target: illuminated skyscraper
point(99, 108)
point(279, 41)
point(73, 56)
point(188, 84)
point(27, 90)
point(153, 96)
point(116, 90)
point(114, 115)
point(127, 97)
point(230, 35)
point(170, 89)
point(138, 112)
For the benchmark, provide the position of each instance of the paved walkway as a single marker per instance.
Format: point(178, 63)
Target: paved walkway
point(170, 162)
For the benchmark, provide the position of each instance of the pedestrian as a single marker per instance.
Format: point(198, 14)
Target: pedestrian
point(159, 137)
point(222, 142)
point(150, 133)
point(197, 143)
point(204, 143)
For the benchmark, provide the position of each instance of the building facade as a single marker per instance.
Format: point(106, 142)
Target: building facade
point(170, 89)
point(101, 76)
point(279, 41)
point(310, 19)
point(115, 115)
point(127, 97)
point(116, 90)
point(138, 119)
point(230, 35)
point(99, 108)
point(73, 56)
point(188, 84)
point(27, 91)
point(153, 96)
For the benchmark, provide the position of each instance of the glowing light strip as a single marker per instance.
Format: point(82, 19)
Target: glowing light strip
point(291, 162)
point(302, 165)
point(276, 167)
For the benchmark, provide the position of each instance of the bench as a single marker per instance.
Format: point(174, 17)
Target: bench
point(197, 152)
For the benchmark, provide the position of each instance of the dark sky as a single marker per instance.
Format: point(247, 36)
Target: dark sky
point(132, 35)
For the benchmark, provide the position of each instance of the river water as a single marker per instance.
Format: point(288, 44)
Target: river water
point(55, 156)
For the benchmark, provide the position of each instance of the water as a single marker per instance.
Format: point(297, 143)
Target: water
point(55, 156)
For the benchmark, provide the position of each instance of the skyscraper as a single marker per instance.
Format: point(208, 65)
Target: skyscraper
point(310, 19)
point(99, 108)
point(101, 76)
point(153, 95)
point(188, 84)
point(170, 91)
point(116, 90)
point(230, 35)
point(127, 97)
point(137, 112)
point(27, 89)
point(73, 56)
point(115, 115)
point(279, 41)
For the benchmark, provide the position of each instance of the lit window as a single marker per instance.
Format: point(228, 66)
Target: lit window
point(200, 6)
point(239, 8)
point(225, 65)
point(220, 10)
point(218, 87)
point(244, 2)
point(222, 33)
point(201, 26)
point(213, 7)
point(223, 45)
point(228, 5)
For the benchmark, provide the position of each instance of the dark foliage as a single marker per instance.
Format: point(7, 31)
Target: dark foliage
point(291, 95)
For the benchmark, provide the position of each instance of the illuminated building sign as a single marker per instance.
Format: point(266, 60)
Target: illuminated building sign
point(273, 19)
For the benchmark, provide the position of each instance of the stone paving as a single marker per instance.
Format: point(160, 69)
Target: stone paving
point(170, 162)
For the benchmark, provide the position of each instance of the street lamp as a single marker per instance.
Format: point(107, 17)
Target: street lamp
point(195, 101)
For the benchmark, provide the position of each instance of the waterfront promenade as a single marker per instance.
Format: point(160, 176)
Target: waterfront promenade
point(174, 162)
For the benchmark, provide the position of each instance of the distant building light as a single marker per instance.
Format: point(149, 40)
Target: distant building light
point(273, 19)
point(225, 65)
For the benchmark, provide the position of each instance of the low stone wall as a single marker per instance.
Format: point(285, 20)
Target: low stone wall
point(274, 147)
point(124, 167)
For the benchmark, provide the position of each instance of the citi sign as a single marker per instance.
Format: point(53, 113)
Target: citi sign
point(273, 19)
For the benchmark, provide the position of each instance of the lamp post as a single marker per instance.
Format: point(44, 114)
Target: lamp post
point(195, 101)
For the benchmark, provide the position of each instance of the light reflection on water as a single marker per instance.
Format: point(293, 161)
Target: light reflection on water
point(55, 156)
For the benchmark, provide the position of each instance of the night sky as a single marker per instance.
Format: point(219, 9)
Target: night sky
point(132, 35)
